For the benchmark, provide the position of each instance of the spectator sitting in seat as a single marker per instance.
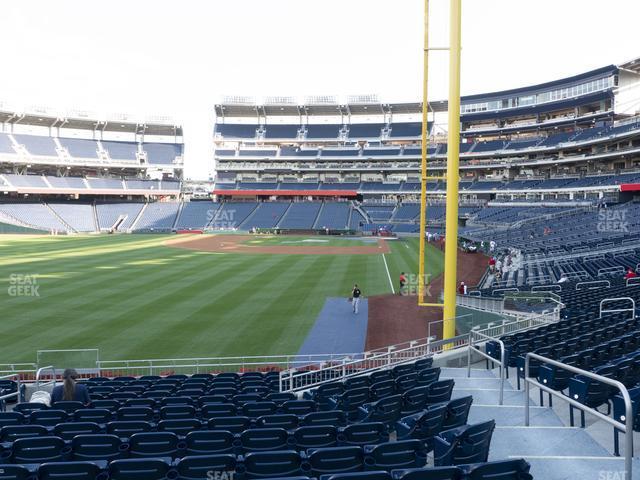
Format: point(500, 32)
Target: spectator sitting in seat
point(70, 390)
point(563, 278)
point(630, 274)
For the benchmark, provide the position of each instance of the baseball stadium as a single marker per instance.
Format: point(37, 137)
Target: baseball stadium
point(361, 289)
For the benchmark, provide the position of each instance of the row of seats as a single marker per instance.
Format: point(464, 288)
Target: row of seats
point(156, 153)
point(283, 465)
point(464, 444)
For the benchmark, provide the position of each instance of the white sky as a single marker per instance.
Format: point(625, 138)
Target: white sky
point(179, 57)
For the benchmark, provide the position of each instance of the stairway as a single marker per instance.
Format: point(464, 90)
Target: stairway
point(555, 450)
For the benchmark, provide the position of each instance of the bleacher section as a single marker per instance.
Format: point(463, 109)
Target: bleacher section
point(36, 145)
point(266, 215)
point(79, 217)
point(334, 215)
point(196, 215)
point(300, 216)
point(109, 213)
point(157, 217)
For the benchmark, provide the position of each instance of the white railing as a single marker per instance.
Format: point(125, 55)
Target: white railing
point(474, 339)
point(632, 310)
point(626, 428)
point(294, 380)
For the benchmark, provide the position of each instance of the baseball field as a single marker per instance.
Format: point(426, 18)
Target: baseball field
point(168, 296)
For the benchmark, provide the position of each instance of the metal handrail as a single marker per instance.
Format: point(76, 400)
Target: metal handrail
point(42, 369)
point(615, 310)
point(501, 363)
point(592, 285)
point(626, 428)
point(632, 282)
point(385, 359)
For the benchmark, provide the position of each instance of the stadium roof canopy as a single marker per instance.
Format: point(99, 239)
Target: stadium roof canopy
point(80, 120)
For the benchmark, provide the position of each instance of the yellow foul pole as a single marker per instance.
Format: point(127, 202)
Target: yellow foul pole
point(453, 152)
point(423, 178)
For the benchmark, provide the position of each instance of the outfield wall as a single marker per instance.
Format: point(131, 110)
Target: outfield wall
point(8, 228)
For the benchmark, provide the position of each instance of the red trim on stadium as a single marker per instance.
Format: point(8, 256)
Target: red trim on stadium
point(288, 193)
point(630, 187)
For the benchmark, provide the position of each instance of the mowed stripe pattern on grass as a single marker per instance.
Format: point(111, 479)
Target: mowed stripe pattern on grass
point(133, 297)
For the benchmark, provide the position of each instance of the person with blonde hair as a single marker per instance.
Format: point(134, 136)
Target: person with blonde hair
point(70, 390)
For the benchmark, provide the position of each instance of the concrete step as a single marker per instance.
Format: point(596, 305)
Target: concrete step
point(579, 468)
point(491, 396)
point(450, 372)
point(479, 383)
point(544, 441)
point(513, 416)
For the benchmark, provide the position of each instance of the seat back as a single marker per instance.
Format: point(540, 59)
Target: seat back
point(153, 444)
point(69, 470)
point(38, 450)
point(67, 431)
point(264, 439)
point(502, 470)
point(97, 447)
point(315, 436)
point(285, 463)
point(138, 469)
point(324, 461)
point(209, 442)
point(201, 466)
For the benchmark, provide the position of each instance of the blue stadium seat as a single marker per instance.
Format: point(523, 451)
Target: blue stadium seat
point(139, 469)
point(107, 404)
point(206, 399)
point(13, 432)
point(435, 473)
point(457, 412)
point(372, 475)
point(264, 439)
point(466, 444)
point(383, 389)
point(97, 415)
point(337, 418)
point(68, 430)
point(15, 472)
point(180, 427)
point(299, 407)
point(440, 391)
point(315, 436)
point(139, 414)
point(200, 467)
point(234, 424)
point(406, 382)
point(271, 464)
point(326, 461)
point(47, 418)
point(363, 434)
point(68, 406)
point(424, 425)
point(38, 450)
point(28, 407)
point(153, 444)
point(177, 412)
point(428, 375)
point(395, 455)
point(71, 471)
point(212, 410)
point(178, 400)
point(126, 428)
point(386, 410)
point(258, 409)
point(98, 447)
point(286, 421)
point(11, 418)
point(500, 470)
point(209, 442)
point(280, 398)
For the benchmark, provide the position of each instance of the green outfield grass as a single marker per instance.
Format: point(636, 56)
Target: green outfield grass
point(134, 298)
